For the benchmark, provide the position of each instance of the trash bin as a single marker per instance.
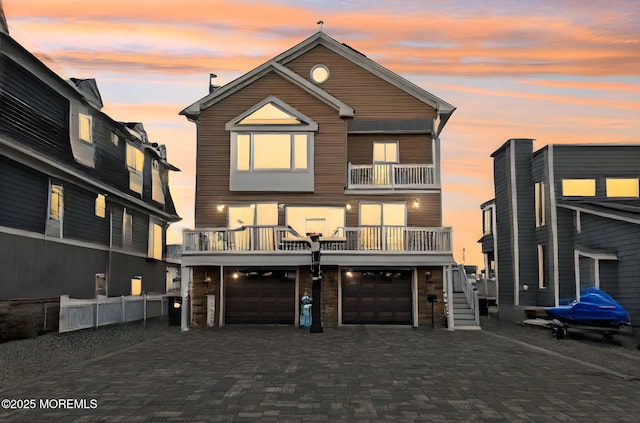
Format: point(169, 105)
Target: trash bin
point(175, 311)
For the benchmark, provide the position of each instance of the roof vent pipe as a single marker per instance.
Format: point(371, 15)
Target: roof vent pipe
point(212, 87)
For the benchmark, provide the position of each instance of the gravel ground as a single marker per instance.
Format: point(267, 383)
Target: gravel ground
point(32, 357)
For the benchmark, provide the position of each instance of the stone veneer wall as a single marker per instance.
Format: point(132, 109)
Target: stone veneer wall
point(430, 285)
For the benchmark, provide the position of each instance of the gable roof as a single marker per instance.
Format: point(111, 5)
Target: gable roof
point(276, 64)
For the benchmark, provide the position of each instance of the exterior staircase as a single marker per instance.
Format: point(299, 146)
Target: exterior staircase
point(461, 299)
point(463, 315)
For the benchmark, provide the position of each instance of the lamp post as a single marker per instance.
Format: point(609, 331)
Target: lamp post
point(316, 288)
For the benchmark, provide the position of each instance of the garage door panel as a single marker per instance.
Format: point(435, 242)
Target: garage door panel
point(373, 297)
point(260, 300)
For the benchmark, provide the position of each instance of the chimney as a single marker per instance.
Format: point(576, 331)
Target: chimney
point(212, 76)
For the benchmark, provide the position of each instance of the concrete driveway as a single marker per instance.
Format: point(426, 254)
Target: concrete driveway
point(363, 374)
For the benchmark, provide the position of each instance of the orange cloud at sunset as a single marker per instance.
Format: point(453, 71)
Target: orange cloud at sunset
point(556, 71)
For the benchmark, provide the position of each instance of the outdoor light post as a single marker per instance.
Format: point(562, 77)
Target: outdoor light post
point(316, 288)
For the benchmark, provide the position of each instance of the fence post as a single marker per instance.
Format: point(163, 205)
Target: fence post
point(144, 310)
point(97, 311)
point(124, 309)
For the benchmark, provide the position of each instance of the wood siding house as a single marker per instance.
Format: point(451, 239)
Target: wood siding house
point(567, 218)
point(84, 199)
point(318, 140)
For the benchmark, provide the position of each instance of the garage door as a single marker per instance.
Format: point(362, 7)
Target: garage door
point(376, 298)
point(260, 299)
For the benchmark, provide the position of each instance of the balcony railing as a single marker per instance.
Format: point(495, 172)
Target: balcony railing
point(374, 239)
point(390, 176)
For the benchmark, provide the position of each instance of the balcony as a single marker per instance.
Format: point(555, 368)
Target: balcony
point(391, 176)
point(283, 240)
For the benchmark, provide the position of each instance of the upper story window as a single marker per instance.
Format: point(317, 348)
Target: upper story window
point(487, 221)
point(277, 151)
point(539, 203)
point(319, 74)
point(157, 189)
point(86, 127)
point(115, 139)
point(622, 187)
point(135, 164)
point(101, 205)
point(579, 187)
point(274, 140)
point(127, 229)
point(385, 152)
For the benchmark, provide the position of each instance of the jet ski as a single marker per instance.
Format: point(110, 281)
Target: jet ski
point(595, 308)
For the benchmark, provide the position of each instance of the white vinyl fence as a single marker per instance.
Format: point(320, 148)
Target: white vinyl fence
point(78, 314)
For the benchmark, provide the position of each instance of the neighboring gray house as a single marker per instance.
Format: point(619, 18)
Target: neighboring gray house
point(564, 218)
point(84, 199)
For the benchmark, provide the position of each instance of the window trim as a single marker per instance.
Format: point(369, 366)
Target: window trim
point(151, 240)
point(487, 221)
point(133, 170)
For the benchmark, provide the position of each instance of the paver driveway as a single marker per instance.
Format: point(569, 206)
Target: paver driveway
point(283, 374)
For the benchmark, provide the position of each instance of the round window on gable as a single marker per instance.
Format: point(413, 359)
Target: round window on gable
point(319, 74)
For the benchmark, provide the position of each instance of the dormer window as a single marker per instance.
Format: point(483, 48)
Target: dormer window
point(86, 128)
point(135, 164)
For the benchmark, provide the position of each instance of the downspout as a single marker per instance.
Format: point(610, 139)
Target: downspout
point(109, 256)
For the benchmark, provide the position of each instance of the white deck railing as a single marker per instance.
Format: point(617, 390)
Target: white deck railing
point(390, 175)
point(284, 239)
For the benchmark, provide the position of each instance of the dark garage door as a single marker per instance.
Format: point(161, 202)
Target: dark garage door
point(260, 299)
point(376, 298)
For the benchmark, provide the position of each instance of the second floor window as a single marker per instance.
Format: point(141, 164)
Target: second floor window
point(385, 152)
point(539, 203)
point(135, 164)
point(157, 189)
point(86, 128)
point(579, 187)
point(272, 151)
point(622, 187)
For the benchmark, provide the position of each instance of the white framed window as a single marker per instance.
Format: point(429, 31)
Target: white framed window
point(270, 114)
point(622, 187)
point(157, 188)
point(487, 221)
point(86, 127)
point(56, 203)
point(539, 203)
point(319, 74)
point(155, 241)
point(115, 139)
point(579, 187)
point(101, 205)
point(542, 280)
point(135, 164)
point(385, 152)
point(258, 151)
point(127, 229)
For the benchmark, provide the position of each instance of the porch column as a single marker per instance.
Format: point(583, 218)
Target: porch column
point(221, 316)
point(414, 294)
